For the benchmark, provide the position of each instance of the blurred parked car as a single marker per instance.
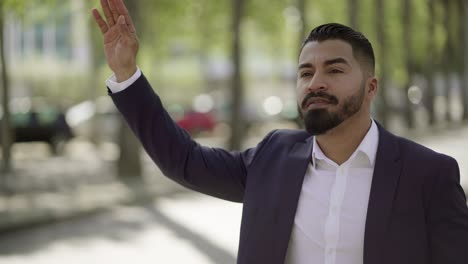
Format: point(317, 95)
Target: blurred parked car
point(48, 125)
point(99, 120)
point(196, 122)
point(96, 120)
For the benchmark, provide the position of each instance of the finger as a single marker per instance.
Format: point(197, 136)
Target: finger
point(123, 26)
point(107, 12)
point(113, 10)
point(101, 23)
point(122, 9)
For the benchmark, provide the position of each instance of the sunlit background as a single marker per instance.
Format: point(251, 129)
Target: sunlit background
point(226, 72)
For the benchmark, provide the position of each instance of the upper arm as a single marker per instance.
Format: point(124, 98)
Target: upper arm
point(218, 172)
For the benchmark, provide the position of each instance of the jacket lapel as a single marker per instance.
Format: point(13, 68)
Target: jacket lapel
point(295, 169)
point(387, 171)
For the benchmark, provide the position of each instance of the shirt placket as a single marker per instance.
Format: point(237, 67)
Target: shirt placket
point(332, 224)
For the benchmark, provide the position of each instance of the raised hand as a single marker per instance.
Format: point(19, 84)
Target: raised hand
point(120, 39)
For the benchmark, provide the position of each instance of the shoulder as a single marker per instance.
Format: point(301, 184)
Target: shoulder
point(417, 152)
point(411, 151)
point(285, 138)
point(426, 168)
point(277, 141)
point(288, 135)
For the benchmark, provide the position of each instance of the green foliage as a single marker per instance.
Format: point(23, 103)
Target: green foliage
point(172, 32)
point(21, 7)
point(267, 15)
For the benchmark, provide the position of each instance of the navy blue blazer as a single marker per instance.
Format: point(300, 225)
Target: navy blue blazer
point(417, 210)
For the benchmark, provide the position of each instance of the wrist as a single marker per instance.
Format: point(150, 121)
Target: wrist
point(124, 75)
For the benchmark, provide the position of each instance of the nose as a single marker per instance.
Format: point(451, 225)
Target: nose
point(316, 83)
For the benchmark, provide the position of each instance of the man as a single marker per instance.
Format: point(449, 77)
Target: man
point(343, 191)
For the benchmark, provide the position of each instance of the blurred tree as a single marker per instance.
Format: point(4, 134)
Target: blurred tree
point(448, 58)
point(408, 65)
point(97, 58)
point(353, 8)
point(160, 25)
point(382, 110)
point(429, 70)
point(237, 88)
point(6, 7)
point(452, 58)
point(303, 31)
point(456, 36)
point(7, 133)
point(463, 7)
point(211, 18)
point(270, 21)
point(6, 129)
point(129, 163)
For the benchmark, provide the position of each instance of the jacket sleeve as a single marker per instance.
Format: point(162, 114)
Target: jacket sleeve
point(448, 217)
point(212, 171)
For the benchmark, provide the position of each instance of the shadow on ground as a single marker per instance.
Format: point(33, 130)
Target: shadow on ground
point(121, 224)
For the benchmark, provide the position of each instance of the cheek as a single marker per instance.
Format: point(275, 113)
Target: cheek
point(300, 88)
point(299, 100)
point(300, 94)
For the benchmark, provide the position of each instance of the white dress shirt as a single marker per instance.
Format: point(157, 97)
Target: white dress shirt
point(331, 213)
point(116, 87)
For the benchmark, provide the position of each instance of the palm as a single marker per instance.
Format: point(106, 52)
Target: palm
point(120, 50)
point(120, 41)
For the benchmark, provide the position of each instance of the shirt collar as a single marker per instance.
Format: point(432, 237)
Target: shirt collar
point(370, 143)
point(317, 153)
point(368, 146)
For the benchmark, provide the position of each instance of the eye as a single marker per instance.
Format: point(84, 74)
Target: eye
point(336, 71)
point(305, 74)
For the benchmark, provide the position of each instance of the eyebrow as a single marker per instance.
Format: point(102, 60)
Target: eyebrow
point(326, 63)
point(336, 61)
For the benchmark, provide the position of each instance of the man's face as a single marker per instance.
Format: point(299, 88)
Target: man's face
point(331, 85)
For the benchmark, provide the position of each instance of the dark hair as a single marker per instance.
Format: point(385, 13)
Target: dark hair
point(362, 48)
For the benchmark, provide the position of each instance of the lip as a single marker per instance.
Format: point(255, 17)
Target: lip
point(314, 103)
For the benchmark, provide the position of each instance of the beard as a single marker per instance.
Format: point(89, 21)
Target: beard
point(319, 121)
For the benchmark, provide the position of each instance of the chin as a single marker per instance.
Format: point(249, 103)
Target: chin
point(320, 121)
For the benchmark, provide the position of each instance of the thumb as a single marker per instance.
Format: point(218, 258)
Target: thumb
point(123, 27)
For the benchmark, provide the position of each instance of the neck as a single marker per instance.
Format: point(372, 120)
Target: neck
point(339, 143)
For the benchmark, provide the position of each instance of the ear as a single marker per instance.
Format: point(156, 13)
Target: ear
point(372, 85)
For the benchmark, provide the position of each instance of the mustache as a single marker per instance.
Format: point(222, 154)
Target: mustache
point(321, 94)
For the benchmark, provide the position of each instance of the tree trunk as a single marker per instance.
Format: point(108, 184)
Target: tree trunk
point(129, 164)
point(237, 124)
point(406, 19)
point(447, 60)
point(6, 130)
point(301, 6)
point(429, 71)
point(382, 110)
point(463, 5)
point(95, 82)
point(205, 40)
point(353, 7)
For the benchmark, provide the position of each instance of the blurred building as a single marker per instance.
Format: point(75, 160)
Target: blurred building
point(45, 41)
